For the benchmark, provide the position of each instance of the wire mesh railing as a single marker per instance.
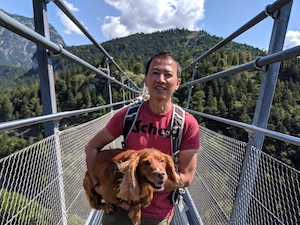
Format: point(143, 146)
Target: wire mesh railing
point(218, 168)
point(42, 183)
point(274, 198)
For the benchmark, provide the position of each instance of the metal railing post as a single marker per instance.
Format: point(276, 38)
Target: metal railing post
point(61, 186)
point(123, 89)
point(109, 82)
point(261, 117)
point(191, 87)
point(45, 68)
point(129, 92)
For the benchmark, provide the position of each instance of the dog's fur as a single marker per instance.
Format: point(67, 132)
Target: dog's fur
point(128, 176)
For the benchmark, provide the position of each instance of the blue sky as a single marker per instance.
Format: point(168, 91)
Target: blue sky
point(108, 19)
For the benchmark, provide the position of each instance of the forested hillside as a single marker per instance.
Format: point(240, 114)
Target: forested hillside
point(233, 97)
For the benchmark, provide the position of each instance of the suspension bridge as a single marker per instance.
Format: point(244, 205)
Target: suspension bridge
point(235, 183)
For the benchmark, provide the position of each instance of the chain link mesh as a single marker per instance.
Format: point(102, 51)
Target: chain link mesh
point(274, 197)
point(42, 184)
point(218, 165)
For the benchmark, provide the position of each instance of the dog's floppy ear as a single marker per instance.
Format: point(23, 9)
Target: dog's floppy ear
point(171, 171)
point(129, 187)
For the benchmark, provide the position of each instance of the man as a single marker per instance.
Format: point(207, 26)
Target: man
point(163, 77)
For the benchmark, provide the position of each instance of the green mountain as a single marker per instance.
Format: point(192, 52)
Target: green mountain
point(138, 48)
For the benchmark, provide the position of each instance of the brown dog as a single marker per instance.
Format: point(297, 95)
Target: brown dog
point(129, 176)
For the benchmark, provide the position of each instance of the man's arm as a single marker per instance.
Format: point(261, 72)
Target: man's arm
point(102, 138)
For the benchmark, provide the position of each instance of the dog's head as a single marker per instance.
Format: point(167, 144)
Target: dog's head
point(148, 165)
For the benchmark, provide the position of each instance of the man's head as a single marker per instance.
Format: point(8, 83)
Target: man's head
point(162, 78)
point(164, 56)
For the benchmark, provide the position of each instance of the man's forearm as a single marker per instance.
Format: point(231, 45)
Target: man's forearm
point(91, 154)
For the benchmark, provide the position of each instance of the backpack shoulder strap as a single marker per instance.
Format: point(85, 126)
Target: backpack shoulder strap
point(129, 120)
point(177, 125)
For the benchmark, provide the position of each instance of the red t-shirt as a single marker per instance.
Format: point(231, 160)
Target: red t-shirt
point(147, 133)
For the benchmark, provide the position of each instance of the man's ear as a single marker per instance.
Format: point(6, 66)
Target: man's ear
point(178, 83)
point(145, 81)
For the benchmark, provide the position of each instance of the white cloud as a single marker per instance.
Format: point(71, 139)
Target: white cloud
point(113, 28)
point(292, 39)
point(70, 27)
point(148, 16)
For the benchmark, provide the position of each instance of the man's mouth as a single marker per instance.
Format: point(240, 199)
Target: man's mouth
point(160, 88)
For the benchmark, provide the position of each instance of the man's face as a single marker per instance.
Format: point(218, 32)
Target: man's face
point(162, 79)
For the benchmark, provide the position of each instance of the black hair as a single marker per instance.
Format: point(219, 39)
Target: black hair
point(164, 55)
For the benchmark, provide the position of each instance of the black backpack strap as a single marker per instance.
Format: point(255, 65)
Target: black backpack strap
point(129, 120)
point(177, 124)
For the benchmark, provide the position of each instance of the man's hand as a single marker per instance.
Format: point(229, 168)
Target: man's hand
point(125, 205)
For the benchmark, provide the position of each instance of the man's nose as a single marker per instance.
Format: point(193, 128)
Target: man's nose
point(161, 77)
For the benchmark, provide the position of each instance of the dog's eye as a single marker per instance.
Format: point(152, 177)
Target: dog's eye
point(162, 161)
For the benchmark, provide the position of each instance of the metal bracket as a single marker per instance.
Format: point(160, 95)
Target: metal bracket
point(255, 63)
point(60, 50)
point(250, 134)
point(262, 68)
point(274, 15)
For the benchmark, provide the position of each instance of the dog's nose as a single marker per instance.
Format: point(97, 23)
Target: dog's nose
point(160, 175)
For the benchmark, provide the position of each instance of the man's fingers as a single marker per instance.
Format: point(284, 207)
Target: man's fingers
point(124, 205)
